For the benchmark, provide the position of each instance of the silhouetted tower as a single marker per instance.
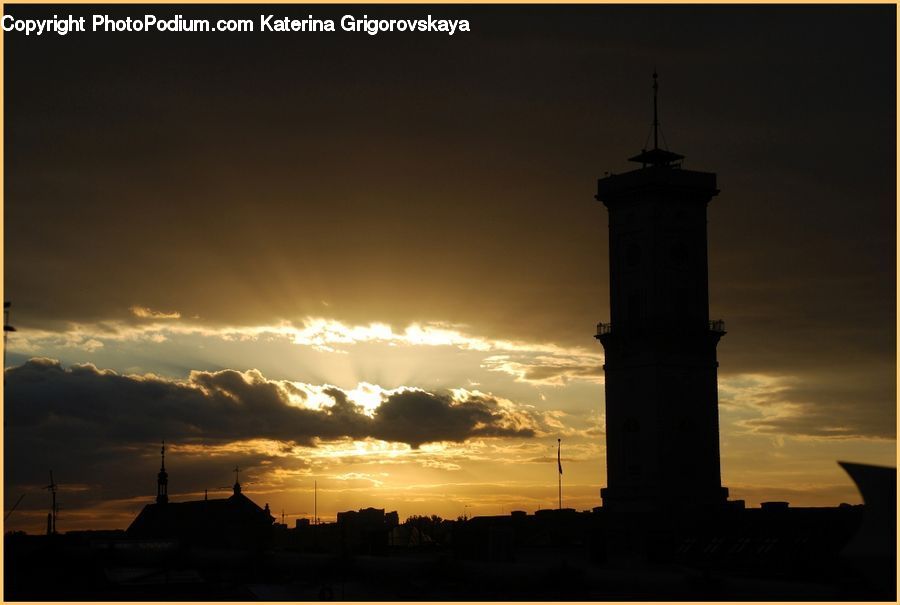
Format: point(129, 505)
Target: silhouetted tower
point(662, 419)
point(162, 479)
point(237, 483)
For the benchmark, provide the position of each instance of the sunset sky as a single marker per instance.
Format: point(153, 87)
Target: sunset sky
point(376, 263)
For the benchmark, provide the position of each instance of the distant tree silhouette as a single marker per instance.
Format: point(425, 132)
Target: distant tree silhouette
point(428, 526)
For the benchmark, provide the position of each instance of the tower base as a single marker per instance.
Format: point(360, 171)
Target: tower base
point(644, 500)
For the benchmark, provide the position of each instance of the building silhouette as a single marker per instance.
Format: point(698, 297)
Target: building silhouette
point(235, 522)
point(662, 425)
point(366, 531)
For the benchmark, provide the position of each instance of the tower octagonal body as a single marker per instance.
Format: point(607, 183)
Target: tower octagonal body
point(662, 426)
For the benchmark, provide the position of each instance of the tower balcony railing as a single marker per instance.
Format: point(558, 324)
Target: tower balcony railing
point(715, 325)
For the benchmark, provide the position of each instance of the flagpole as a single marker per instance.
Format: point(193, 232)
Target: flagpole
point(559, 463)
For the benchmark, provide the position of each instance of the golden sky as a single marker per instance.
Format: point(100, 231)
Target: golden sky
point(375, 263)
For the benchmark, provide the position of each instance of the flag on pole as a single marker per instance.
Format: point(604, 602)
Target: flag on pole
point(558, 459)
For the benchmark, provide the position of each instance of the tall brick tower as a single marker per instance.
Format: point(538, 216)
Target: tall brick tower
point(662, 418)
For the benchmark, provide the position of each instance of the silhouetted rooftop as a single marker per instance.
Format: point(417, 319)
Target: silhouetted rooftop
point(652, 178)
point(203, 520)
point(656, 157)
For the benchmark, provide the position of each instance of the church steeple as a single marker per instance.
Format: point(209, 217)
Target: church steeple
point(162, 479)
point(237, 483)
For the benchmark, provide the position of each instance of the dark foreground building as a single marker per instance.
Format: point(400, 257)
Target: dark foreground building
point(229, 549)
point(775, 552)
point(234, 522)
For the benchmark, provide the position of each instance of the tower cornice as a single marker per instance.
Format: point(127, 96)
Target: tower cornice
point(646, 180)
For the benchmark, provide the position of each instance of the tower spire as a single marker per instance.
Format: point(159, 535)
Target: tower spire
point(657, 156)
point(237, 483)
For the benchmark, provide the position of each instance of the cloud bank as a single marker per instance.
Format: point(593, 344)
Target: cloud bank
point(230, 405)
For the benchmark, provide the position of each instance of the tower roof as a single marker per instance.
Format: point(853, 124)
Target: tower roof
point(656, 156)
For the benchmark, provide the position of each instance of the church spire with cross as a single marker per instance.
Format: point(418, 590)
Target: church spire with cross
point(237, 482)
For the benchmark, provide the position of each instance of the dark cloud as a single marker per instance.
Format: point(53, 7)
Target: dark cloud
point(215, 407)
point(437, 418)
